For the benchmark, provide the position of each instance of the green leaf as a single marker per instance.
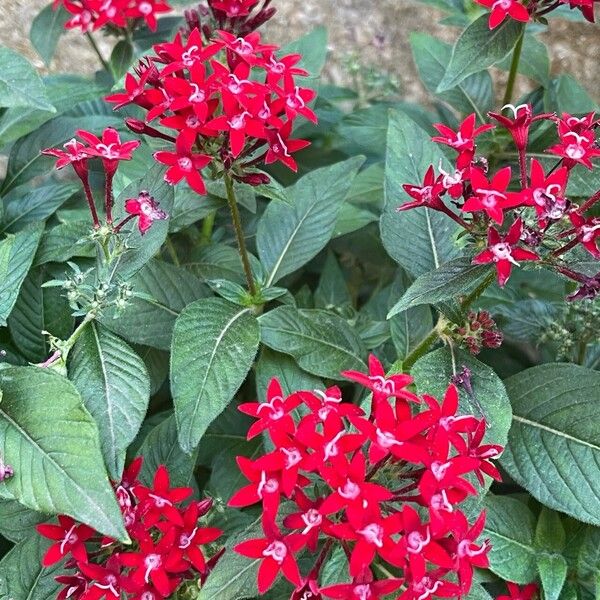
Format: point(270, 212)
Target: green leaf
point(534, 62)
point(64, 92)
point(143, 248)
point(478, 48)
point(332, 291)
point(420, 240)
point(549, 532)
point(289, 235)
point(322, 343)
point(409, 327)
point(553, 448)
point(115, 388)
point(312, 47)
point(17, 522)
point(16, 255)
point(432, 375)
point(53, 444)
point(526, 320)
point(160, 447)
point(188, 207)
point(24, 577)
point(234, 577)
point(121, 59)
point(46, 29)
point(588, 558)
point(213, 348)
point(20, 85)
point(151, 322)
point(510, 527)
point(566, 94)
point(36, 310)
point(553, 574)
point(34, 206)
point(64, 241)
point(450, 281)
point(25, 160)
point(474, 94)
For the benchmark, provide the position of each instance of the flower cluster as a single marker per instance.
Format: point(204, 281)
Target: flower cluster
point(545, 226)
point(165, 554)
point(110, 150)
point(90, 15)
point(385, 487)
point(230, 114)
point(532, 11)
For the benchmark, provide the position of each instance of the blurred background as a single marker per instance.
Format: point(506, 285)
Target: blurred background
point(367, 39)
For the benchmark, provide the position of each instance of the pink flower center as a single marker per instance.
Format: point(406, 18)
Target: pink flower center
point(373, 534)
point(151, 562)
point(416, 541)
point(70, 539)
point(439, 469)
point(440, 502)
point(331, 448)
point(185, 540)
point(145, 8)
point(426, 587)
point(159, 501)
point(279, 146)
point(239, 121)
point(241, 46)
point(185, 163)
point(386, 439)
point(197, 95)
point(383, 385)
point(350, 490)
point(362, 592)
point(292, 457)
point(270, 486)
point(189, 57)
point(295, 101)
point(312, 518)
point(503, 251)
point(277, 551)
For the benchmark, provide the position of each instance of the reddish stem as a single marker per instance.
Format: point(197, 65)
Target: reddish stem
point(566, 247)
point(123, 222)
point(590, 202)
point(90, 199)
point(523, 167)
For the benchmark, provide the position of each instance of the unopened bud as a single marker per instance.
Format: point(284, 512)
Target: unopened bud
point(254, 179)
point(142, 128)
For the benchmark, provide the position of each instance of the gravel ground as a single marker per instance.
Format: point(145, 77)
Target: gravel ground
point(376, 32)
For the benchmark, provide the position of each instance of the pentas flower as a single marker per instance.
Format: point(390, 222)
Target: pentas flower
point(491, 196)
point(546, 193)
point(146, 209)
point(277, 554)
point(70, 539)
point(165, 553)
point(515, 592)
point(500, 9)
point(462, 140)
point(357, 480)
point(232, 101)
point(90, 15)
point(108, 148)
point(587, 232)
point(523, 116)
point(576, 148)
point(427, 194)
point(504, 251)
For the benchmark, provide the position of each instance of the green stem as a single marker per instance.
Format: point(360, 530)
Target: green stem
point(466, 303)
point(421, 349)
point(514, 68)
point(239, 232)
point(172, 251)
point(207, 227)
point(94, 46)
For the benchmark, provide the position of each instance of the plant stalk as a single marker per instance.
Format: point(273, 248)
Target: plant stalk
point(208, 225)
point(94, 46)
point(514, 68)
point(239, 232)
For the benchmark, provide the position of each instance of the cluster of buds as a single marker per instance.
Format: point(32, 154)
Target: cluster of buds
point(110, 150)
point(545, 224)
point(90, 15)
point(386, 488)
point(165, 555)
point(240, 17)
point(533, 11)
point(6, 471)
point(479, 331)
point(231, 114)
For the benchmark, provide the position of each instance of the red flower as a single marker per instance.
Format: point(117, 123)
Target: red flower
point(277, 554)
point(527, 592)
point(247, 48)
point(70, 539)
point(373, 536)
point(360, 590)
point(73, 154)
point(274, 413)
point(146, 209)
point(423, 585)
point(156, 563)
point(504, 252)
point(352, 490)
point(587, 231)
point(105, 580)
point(503, 8)
point(546, 194)
point(576, 148)
point(382, 387)
point(159, 501)
point(523, 117)
point(428, 194)
point(327, 404)
point(183, 163)
point(468, 553)
point(491, 196)
point(147, 10)
point(281, 146)
point(310, 519)
point(294, 100)
point(233, 8)
point(110, 148)
point(463, 140)
point(74, 586)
